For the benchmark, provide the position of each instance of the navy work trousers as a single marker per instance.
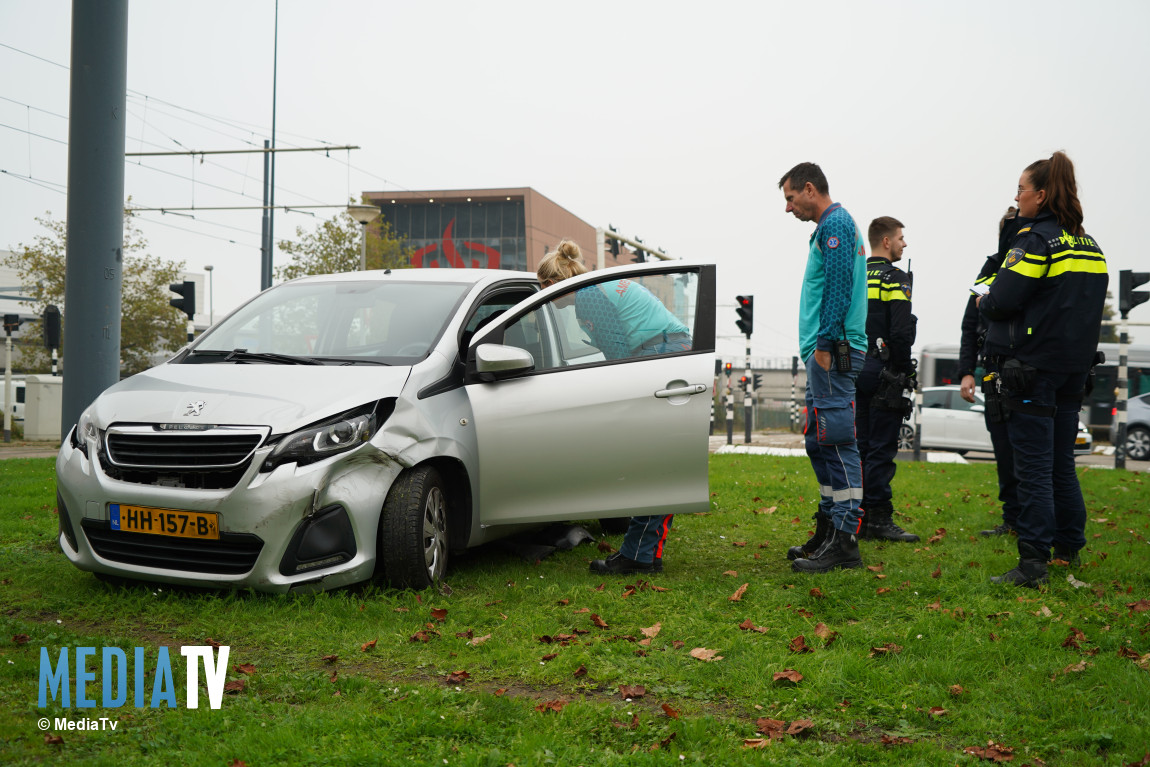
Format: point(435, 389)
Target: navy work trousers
point(878, 439)
point(1052, 511)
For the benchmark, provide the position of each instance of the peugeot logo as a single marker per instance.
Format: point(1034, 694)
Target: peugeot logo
point(195, 408)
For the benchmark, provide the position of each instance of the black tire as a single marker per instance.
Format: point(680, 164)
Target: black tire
point(1138, 444)
point(413, 530)
point(614, 525)
point(906, 437)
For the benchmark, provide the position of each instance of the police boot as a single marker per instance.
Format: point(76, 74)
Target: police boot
point(1000, 529)
point(878, 525)
point(839, 551)
point(822, 527)
point(1031, 569)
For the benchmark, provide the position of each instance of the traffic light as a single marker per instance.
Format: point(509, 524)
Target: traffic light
point(758, 381)
point(727, 368)
point(187, 300)
point(11, 323)
point(51, 327)
point(1128, 297)
point(742, 380)
point(614, 242)
point(746, 309)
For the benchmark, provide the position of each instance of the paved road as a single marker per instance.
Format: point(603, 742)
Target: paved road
point(23, 449)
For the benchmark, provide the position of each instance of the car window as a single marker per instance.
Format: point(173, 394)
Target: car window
point(935, 399)
point(640, 316)
point(958, 403)
point(490, 308)
point(369, 319)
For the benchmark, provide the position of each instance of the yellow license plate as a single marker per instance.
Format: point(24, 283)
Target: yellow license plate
point(1080, 441)
point(148, 519)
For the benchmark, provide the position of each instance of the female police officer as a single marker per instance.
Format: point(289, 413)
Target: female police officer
point(1045, 311)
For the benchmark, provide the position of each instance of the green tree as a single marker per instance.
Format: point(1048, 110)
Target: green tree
point(334, 247)
point(148, 324)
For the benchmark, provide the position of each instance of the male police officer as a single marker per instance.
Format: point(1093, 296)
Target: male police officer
point(832, 340)
point(888, 371)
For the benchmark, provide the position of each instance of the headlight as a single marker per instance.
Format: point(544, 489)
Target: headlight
point(84, 431)
point(315, 443)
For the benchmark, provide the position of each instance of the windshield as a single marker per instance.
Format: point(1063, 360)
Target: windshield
point(369, 321)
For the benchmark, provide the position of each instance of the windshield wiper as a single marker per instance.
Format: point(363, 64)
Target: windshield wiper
point(243, 355)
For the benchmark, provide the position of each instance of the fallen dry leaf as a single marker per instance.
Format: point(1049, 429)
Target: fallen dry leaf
point(500, 692)
point(888, 648)
point(549, 657)
point(772, 728)
point(663, 743)
point(755, 742)
point(747, 625)
point(330, 658)
point(956, 690)
point(236, 685)
point(599, 621)
point(995, 752)
point(581, 671)
point(937, 711)
point(678, 644)
point(20, 638)
point(731, 573)
point(672, 713)
point(883, 590)
point(439, 613)
point(702, 653)
point(799, 726)
point(334, 675)
point(876, 568)
point(1141, 606)
point(799, 645)
point(632, 691)
point(367, 645)
point(564, 602)
point(738, 595)
point(418, 636)
point(51, 739)
point(887, 740)
point(937, 572)
point(551, 705)
point(479, 640)
point(787, 675)
point(817, 593)
point(652, 631)
point(245, 668)
point(457, 677)
point(629, 725)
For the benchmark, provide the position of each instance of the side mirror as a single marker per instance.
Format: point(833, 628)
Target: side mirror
point(493, 361)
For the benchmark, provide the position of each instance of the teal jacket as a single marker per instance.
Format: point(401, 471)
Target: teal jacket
point(833, 304)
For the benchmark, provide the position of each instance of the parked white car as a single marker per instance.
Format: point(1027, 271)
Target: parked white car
point(951, 423)
point(351, 425)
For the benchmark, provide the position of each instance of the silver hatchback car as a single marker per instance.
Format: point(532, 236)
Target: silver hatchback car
point(341, 427)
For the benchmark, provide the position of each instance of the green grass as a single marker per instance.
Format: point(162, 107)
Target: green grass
point(1003, 646)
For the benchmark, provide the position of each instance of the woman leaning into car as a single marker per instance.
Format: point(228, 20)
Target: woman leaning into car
point(622, 319)
point(1044, 313)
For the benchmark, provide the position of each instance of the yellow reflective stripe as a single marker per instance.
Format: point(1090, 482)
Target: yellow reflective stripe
point(1030, 265)
point(883, 292)
point(1023, 230)
point(986, 280)
point(1080, 261)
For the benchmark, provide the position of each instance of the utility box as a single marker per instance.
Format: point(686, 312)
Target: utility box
point(43, 404)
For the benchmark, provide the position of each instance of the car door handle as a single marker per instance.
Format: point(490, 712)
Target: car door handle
point(681, 391)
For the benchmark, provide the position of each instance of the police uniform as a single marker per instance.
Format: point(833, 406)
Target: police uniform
point(971, 358)
point(888, 318)
point(1045, 313)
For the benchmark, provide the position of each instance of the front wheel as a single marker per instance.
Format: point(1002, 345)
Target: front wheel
point(906, 437)
point(1138, 444)
point(413, 530)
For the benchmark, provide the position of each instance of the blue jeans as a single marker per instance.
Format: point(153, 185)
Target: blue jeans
point(830, 441)
point(1052, 511)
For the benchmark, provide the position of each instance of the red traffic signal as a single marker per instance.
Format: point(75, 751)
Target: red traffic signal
point(746, 311)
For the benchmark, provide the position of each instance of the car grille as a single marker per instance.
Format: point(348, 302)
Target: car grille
point(232, 554)
point(149, 447)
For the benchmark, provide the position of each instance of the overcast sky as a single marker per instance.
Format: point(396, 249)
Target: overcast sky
point(671, 120)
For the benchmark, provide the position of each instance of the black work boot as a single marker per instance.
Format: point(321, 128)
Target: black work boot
point(878, 525)
point(1031, 569)
point(1071, 558)
point(617, 564)
point(839, 551)
point(822, 526)
point(1000, 529)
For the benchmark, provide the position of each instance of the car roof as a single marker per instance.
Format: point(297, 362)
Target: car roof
point(417, 274)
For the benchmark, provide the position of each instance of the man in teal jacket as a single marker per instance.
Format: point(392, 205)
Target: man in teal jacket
point(833, 344)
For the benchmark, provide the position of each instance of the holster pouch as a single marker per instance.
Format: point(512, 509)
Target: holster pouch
point(834, 420)
point(1017, 377)
point(1099, 358)
point(889, 394)
point(996, 408)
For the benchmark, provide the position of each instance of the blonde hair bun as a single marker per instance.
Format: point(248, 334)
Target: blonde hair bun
point(570, 250)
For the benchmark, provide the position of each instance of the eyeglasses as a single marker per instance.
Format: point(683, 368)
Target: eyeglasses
point(1021, 190)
